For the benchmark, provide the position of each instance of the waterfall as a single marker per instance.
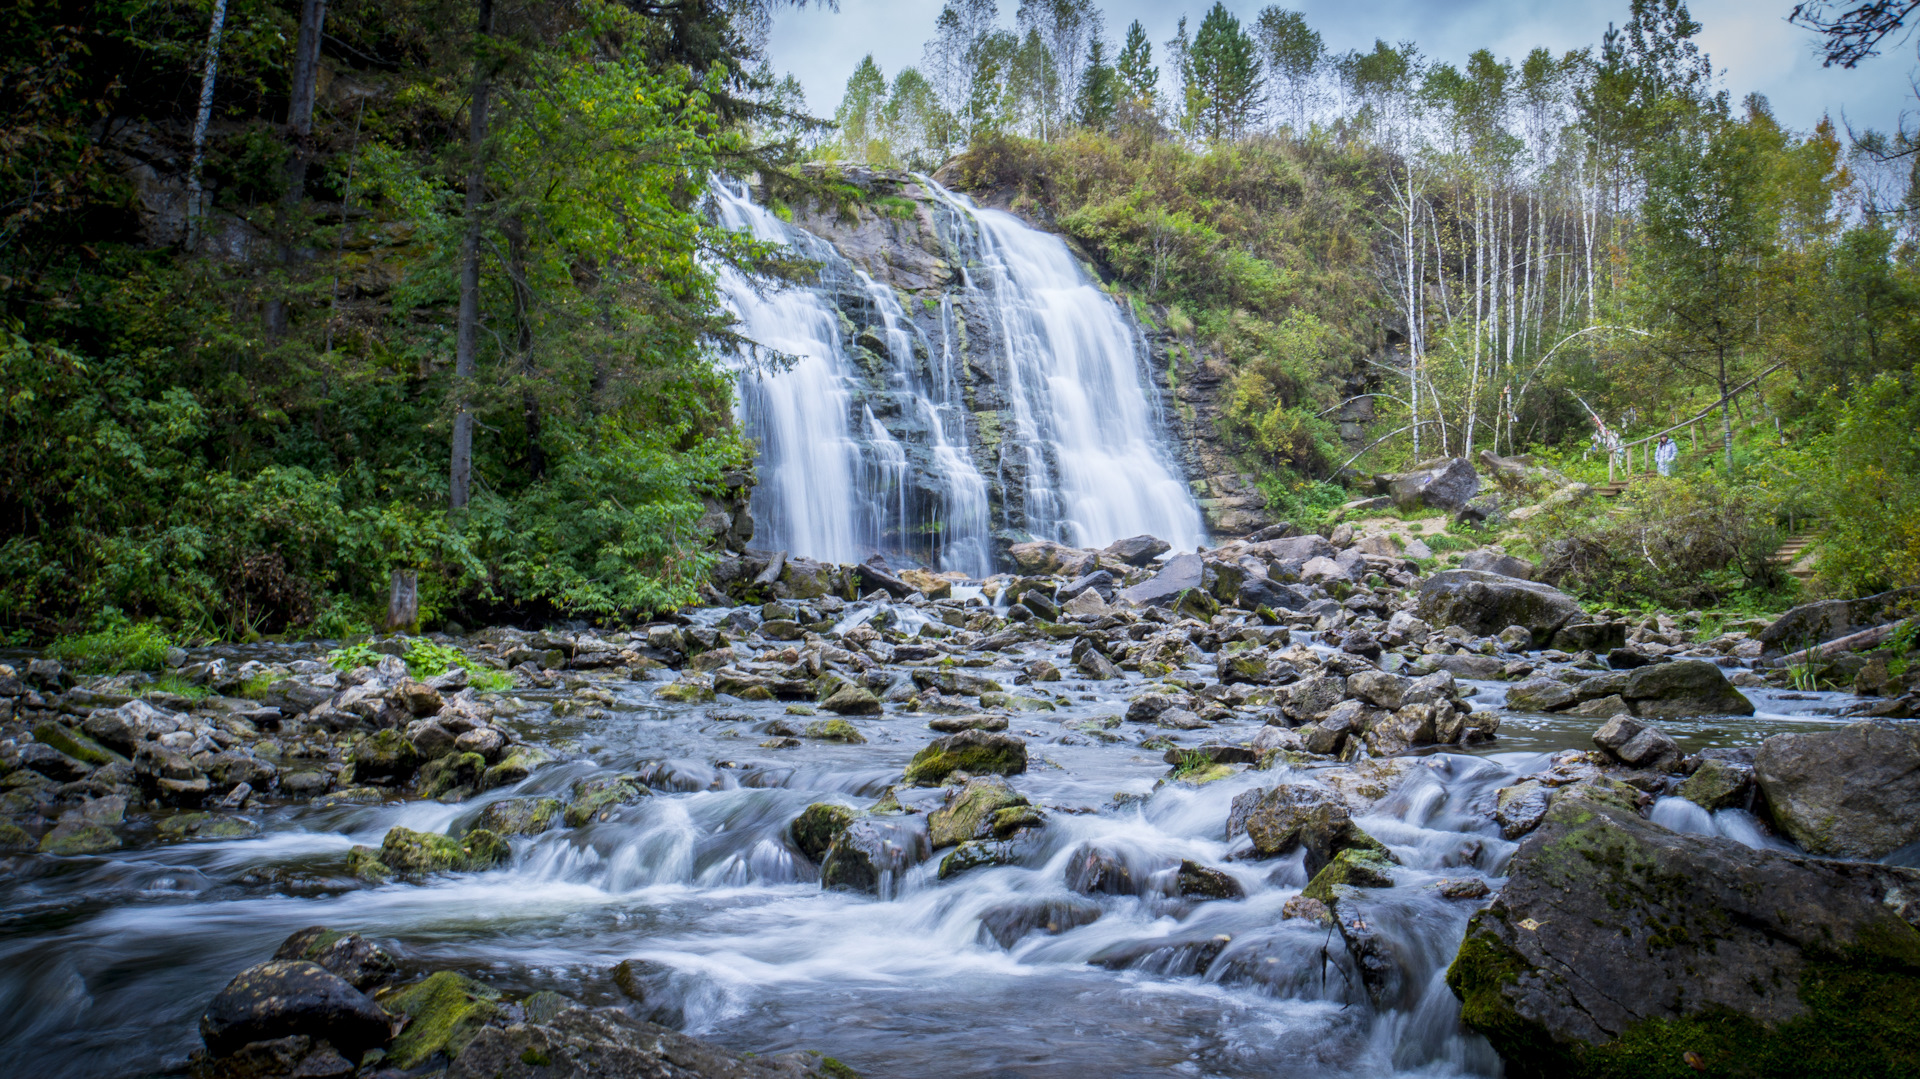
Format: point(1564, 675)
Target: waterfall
point(1091, 446)
point(883, 432)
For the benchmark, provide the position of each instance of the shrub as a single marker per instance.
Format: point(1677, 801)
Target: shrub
point(1871, 495)
point(1671, 543)
point(119, 646)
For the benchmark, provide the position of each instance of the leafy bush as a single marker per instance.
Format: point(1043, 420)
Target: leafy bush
point(120, 645)
point(426, 659)
point(1871, 494)
point(1670, 543)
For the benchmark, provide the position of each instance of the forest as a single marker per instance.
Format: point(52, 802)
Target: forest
point(300, 294)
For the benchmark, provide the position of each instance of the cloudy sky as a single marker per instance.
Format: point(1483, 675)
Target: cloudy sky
point(1749, 40)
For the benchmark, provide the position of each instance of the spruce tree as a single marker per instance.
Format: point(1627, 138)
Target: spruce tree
point(1136, 71)
point(1224, 83)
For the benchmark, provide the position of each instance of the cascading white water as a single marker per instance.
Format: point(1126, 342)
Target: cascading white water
point(799, 417)
point(1096, 468)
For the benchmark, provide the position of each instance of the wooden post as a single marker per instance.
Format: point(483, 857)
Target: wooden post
point(403, 601)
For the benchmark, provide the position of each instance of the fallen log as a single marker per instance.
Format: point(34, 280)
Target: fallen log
point(1852, 642)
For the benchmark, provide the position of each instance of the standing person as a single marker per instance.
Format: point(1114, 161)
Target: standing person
point(1664, 454)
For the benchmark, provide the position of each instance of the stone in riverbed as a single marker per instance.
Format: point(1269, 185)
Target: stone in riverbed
point(359, 961)
point(1616, 946)
point(76, 837)
point(1137, 550)
point(607, 1043)
point(818, 825)
point(852, 700)
point(1847, 793)
point(384, 757)
point(872, 852)
point(280, 998)
point(519, 816)
point(1539, 695)
point(1280, 818)
point(1486, 603)
point(1718, 784)
point(968, 814)
point(974, 752)
point(1684, 687)
point(956, 724)
point(1196, 881)
point(1519, 809)
point(594, 798)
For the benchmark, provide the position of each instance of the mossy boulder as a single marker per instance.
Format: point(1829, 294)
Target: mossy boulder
point(453, 776)
point(75, 745)
point(444, 1013)
point(969, 813)
point(593, 798)
point(384, 757)
point(71, 838)
point(519, 816)
point(361, 962)
point(852, 700)
point(282, 998)
point(1349, 869)
point(415, 854)
point(696, 690)
point(1278, 819)
point(871, 853)
point(364, 862)
point(972, 752)
point(835, 730)
point(14, 839)
point(204, 826)
point(975, 853)
point(1719, 784)
point(818, 825)
point(514, 767)
point(1619, 948)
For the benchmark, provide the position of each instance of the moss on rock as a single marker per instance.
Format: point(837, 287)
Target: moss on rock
point(818, 825)
point(972, 752)
point(444, 1013)
point(412, 854)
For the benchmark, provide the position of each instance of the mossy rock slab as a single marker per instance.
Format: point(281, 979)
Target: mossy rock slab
point(835, 730)
point(1752, 962)
point(71, 838)
point(206, 826)
point(594, 798)
point(519, 816)
point(514, 767)
point(1349, 869)
point(415, 854)
point(444, 1013)
point(455, 772)
point(969, 813)
point(973, 752)
point(75, 745)
point(818, 825)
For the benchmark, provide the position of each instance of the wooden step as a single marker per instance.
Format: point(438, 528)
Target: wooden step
point(1793, 555)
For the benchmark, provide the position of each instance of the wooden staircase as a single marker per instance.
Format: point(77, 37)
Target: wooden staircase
point(1793, 555)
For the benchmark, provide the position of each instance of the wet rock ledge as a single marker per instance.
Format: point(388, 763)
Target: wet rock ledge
point(330, 1005)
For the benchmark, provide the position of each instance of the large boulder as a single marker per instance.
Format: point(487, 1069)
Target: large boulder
point(1853, 792)
point(607, 1043)
point(970, 813)
point(283, 998)
point(1445, 484)
point(1619, 948)
point(1485, 603)
point(1684, 687)
point(1505, 565)
point(1817, 623)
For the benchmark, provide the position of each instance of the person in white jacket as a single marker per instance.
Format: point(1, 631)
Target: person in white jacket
point(1664, 453)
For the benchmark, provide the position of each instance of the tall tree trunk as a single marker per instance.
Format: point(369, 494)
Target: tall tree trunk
point(306, 78)
point(1726, 411)
point(467, 330)
point(209, 75)
point(523, 344)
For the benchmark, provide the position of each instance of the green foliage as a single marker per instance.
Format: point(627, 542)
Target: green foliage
point(1871, 494)
point(177, 686)
point(1221, 76)
point(1307, 504)
point(426, 659)
point(1668, 543)
point(354, 656)
point(118, 645)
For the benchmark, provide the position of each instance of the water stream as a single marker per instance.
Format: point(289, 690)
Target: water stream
point(106, 961)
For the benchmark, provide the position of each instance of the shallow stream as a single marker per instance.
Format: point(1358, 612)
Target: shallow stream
point(106, 962)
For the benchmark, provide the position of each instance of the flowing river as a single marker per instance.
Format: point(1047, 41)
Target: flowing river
point(106, 961)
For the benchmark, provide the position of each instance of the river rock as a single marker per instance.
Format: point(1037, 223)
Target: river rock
point(1540, 695)
point(974, 752)
point(413, 854)
point(1181, 573)
point(1617, 945)
point(607, 1043)
point(1850, 793)
point(968, 813)
point(1718, 785)
point(519, 816)
point(852, 700)
point(1138, 550)
point(282, 998)
point(445, 1013)
point(1505, 565)
point(1485, 603)
point(1817, 623)
point(357, 960)
point(1638, 745)
point(1195, 881)
point(1290, 815)
point(1444, 484)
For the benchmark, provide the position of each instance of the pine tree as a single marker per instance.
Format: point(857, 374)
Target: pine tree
point(1136, 71)
point(1223, 77)
point(1100, 89)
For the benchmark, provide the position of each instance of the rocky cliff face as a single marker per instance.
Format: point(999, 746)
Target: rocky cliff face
point(905, 238)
